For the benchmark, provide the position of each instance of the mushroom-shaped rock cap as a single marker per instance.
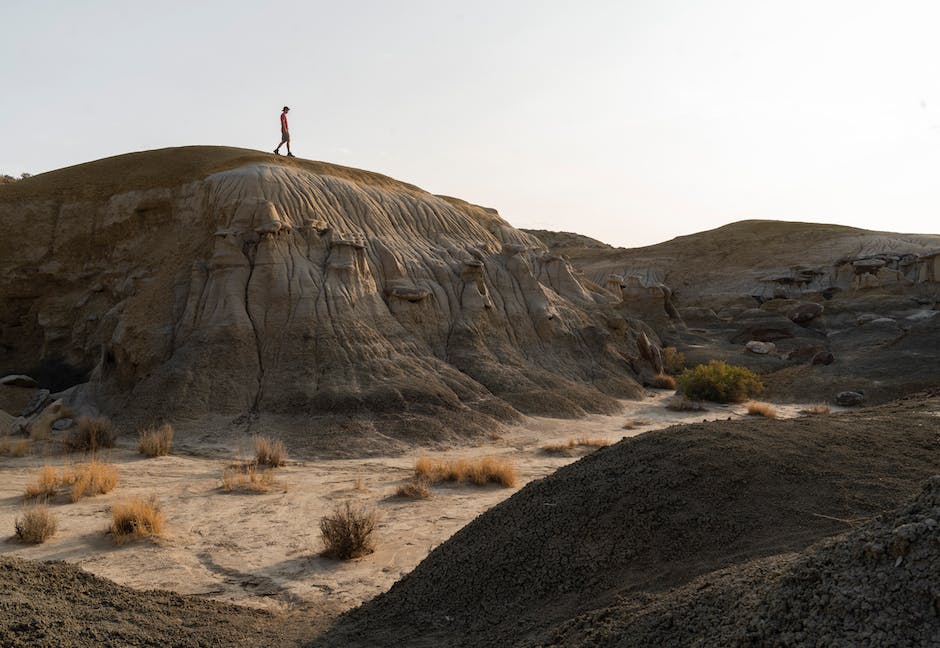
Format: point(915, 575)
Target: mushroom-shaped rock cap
point(510, 249)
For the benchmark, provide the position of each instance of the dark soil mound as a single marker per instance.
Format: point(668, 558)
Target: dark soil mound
point(874, 587)
point(57, 604)
point(650, 514)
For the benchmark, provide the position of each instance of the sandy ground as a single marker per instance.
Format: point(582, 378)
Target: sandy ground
point(262, 549)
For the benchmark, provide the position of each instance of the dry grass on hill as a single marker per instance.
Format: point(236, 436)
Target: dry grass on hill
point(156, 441)
point(479, 472)
point(818, 409)
point(18, 448)
point(136, 518)
point(348, 532)
point(82, 480)
point(247, 476)
point(415, 489)
point(571, 445)
point(269, 452)
point(758, 408)
point(36, 525)
point(91, 434)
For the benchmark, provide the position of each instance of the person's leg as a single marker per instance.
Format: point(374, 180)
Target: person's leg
point(287, 141)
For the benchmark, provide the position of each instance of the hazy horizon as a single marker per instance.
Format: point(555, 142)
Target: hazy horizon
point(631, 123)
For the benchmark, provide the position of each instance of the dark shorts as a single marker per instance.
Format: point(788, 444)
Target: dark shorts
point(285, 136)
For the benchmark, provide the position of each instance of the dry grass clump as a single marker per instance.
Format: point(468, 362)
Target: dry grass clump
point(90, 479)
point(92, 432)
point(683, 404)
point(415, 489)
point(757, 408)
point(818, 408)
point(673, 360)
point(46, 485)
point(18, 448)
point(348, 532)
point(247, 476)
point(719, 382)
point(633, 424)
point(664, 381)
point(156, 441)
point(36, 525)
point(488, 470)
point(269, 452)
point(566, 447)
point(136, 518)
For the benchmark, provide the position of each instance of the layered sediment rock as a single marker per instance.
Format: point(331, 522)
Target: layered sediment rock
point(244, 285)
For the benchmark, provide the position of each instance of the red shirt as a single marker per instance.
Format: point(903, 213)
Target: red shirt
point(284, 122)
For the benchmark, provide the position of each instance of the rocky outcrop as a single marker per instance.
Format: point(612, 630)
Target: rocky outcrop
point(247, 286)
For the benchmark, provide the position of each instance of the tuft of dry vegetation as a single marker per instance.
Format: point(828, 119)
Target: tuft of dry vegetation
point(269, 452)
point(673, 361)
point(633, 424)
point(83, 480)
point(487, 470)
point(415, 489)
point(92, 433)
point(18, 448)
point(719, 382)
point(156, 441)
point(757, 408)
point(46, 485)
point(348, 532)
point(569, 446)
point(136, 518)
point(247, 476)
point(664, 381)
point(817, 409)
point(683, 404)
point(90, 479)
point(36, 525)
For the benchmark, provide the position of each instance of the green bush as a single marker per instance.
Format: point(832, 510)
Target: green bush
point(719, 382)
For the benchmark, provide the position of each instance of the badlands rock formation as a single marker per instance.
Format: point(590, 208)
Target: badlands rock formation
point(211, 282)
point(818, 309)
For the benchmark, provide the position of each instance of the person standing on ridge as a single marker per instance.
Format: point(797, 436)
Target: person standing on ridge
point(285, 134)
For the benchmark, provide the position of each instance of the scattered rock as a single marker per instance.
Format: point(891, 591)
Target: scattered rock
point(36, 404)
point(823, 358)
point(850, 398)
point(63, 424)
point(805, 312)
point(760, 348)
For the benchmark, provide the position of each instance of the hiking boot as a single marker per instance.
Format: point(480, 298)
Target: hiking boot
point(276, 152)
point(291, 155)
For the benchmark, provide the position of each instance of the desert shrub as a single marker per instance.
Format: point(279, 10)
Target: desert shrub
point(247, 476)
point(683, 404)
point(673, 361)
point(92, 432)
point(487, 470)
point(719, 382)
point(89, 479)
point(18, 448)
point(156, 441)
point(348, 532)
point(269, 452)
point(136, 518)
point(566, 447)
point(664, 381)
point(757, 408)
point(819, 408)
point(415, 489)
point(46, 484)
point(36, 525)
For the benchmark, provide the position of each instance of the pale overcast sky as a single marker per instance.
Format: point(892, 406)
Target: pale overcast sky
point(631, 121)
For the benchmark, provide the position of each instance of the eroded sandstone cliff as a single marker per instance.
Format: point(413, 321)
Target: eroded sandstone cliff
point(204, 281)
